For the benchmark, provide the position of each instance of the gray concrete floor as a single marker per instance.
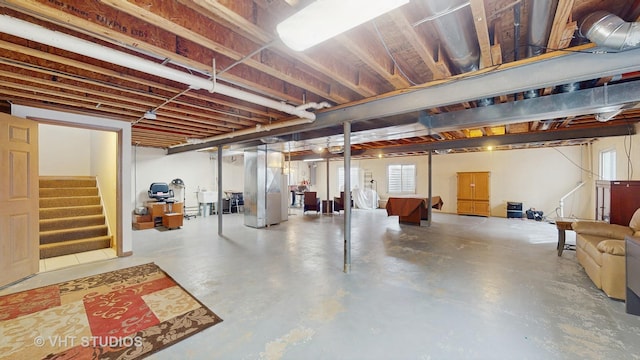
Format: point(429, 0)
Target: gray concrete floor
point(465, 288)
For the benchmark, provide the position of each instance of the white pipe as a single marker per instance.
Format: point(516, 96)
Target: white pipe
point(261, 128)
point(567, 195)
point(258, 128)
point(26, 30)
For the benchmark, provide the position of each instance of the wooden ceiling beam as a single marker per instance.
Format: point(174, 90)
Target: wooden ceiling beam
point(439, 69)
point(207, 114)
point(195, 27)
point(128, 80)
point(242, 16)
point(359, 42)
point(79, 102)
point(561, 26)
point(234, 14)
point(120, 28)
point(482, 32)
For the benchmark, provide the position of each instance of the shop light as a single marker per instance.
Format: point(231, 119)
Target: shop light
point(324, 19)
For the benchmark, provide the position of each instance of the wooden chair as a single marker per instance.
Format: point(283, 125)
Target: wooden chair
point(311, 201)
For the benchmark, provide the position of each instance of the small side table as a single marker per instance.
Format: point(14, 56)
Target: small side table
point(327, 206)
point(562, 226)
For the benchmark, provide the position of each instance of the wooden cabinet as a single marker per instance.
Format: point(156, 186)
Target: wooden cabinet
point(473, 193)
point(158, 209)
point(616, 201)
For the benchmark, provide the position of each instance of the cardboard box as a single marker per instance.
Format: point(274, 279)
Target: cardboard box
point(172, 220)
point(142, 218)
point(143, 225)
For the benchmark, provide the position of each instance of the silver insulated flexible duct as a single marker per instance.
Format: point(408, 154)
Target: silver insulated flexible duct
point(540, 21)
point(610, 31)
point(454, 25)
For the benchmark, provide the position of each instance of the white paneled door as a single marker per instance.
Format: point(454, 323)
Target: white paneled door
point(19, 235)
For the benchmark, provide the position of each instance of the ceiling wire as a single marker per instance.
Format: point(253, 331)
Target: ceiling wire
point(163, 104)
point(627, 150)
point(576, 165)
point(238, 62)
point(391, 55)
point(244, 58)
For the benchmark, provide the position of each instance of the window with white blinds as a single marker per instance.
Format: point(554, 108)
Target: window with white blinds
point(401, 179)
point(355, 178)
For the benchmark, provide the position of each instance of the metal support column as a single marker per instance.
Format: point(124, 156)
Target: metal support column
point(347, 197)
point(328, 197)
point(220, 203)
point(429, 204)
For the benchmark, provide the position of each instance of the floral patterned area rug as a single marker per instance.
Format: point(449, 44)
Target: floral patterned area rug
point(123, 314)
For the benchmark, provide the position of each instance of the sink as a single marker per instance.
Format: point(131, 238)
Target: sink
point(207, 196)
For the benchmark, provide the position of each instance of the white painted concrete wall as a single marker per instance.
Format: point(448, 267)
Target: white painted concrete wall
point(198, 170)
point(63, 150)
point(104, 154)
point(536, 177)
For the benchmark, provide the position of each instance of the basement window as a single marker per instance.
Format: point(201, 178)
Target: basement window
point(401, 179)
point(608, 164)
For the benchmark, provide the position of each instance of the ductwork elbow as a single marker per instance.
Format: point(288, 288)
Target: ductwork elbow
point(610, 31)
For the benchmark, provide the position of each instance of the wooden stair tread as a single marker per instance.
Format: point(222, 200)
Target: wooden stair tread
point(81, 217)
point(70, 207)
point(72, 217)
point(84, 228)
point(78, 241)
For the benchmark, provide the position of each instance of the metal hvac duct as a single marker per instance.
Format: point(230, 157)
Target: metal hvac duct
point(540, 20)
point(455, 28)
point(610, 31)
point(454, 24)
point(539, 27)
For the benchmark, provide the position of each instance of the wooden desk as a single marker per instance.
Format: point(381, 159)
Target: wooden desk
point(411, 210)
point(562, 226)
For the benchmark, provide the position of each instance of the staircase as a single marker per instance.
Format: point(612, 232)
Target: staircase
point(71, 216)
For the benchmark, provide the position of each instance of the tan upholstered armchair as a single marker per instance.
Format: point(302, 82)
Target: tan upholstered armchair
point(600, 249)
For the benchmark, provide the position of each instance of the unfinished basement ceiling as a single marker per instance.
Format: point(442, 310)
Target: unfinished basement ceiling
point(410, 52)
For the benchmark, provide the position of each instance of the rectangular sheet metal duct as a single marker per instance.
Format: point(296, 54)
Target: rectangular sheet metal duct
point(589, 101)
point(510, 139)
point(507, 79)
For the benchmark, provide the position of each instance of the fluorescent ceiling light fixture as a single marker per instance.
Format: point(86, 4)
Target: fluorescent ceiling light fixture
point(311, 160)
point(324, 19)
